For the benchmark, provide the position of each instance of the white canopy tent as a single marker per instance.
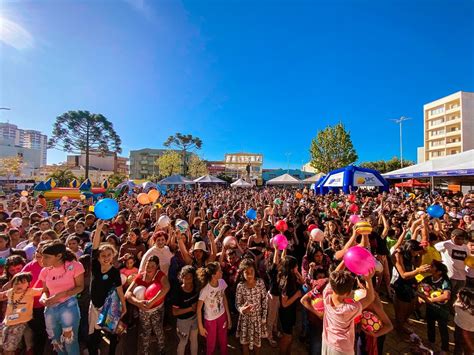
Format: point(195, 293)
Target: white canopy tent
point(209, 179)
point(241, 183)
point(461, 164)
point(312, 179)
point(176, 180)
point(285, 179)
point(147, 185)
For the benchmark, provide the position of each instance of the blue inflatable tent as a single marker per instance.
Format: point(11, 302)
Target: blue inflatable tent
point(351, 177)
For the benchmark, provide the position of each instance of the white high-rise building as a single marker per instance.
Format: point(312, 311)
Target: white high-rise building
point(26, 138)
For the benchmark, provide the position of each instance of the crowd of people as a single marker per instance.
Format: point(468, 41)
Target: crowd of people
point(195, 262)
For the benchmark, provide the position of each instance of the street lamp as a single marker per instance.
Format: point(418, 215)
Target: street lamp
point(288, 162)
point(399, 121)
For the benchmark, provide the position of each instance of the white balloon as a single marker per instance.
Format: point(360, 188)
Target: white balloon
point(360, 294)
point(317, 235)
point(139, 292)
point(164, 221)
point(16, 222)
point(378, 267)
point(182, 225)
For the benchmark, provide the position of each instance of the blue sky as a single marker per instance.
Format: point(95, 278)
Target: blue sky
point(257, 76)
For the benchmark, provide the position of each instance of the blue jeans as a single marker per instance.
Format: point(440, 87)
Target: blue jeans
point(63, 318)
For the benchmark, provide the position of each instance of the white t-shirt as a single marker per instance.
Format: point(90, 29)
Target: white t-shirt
point(463, 319)
point(164, 254)
point(453, 257)
point(213, 298)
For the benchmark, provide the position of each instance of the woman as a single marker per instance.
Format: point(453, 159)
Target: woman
point(63, 279)
point(151, 311)
point(199, 256)
point(406, 260)
point(133, 245)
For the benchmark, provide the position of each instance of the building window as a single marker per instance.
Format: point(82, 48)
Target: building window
point(437, 111)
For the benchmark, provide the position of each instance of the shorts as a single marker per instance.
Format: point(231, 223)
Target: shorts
point(287, 318)
point(185, 326)
point(11, 336)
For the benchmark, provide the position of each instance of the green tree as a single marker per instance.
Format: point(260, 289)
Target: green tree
point(385, 166)
point(185, 143)
point(11, 166)
point(116, 179)
point(169, 163)
point(63, 176)
point(197, 167)
point(332, 149)
point(225, 177)
point(82, 131)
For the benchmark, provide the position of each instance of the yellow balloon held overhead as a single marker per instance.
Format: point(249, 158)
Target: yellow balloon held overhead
point(24, 193)
point(91, 208)
point(158, 205)
point(469, 261)
point(363, 228)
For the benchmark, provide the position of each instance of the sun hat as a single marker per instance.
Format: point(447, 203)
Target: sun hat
point(201, 245)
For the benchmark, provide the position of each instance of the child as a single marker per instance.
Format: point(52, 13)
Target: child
point(216, 310)
point(105, 279)
point(19, 311)
point(464, 321)
point(184, 309)
point(338, 321)
point(73, 243)
point(129, 269)
point(251, 302)
point(437, 309)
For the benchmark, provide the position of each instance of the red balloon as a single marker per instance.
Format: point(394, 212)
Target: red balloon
point(311, 227)
point(351, 198)
point(354, 208)
point(281, 226)
point(152, 291)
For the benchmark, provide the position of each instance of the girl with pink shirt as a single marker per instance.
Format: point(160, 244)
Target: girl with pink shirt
point(63, 279)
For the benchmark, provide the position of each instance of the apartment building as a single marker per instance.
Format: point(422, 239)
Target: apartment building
point(448, 126)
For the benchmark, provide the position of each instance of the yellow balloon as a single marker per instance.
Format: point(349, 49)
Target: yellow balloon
point(24, 193)
point(419, 277)
point(153, 195)
point(91, 208)
point(469, 261)
point(158, 205)
point(143, 199)
point(363, 227)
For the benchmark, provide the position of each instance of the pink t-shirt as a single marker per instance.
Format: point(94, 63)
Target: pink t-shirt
point(128, 272)
point(59, 279)
point(35, 269)
point(338, 323)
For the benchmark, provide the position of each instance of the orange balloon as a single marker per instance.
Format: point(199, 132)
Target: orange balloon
point(24, 193)
point(143, 199)
point(153, 195)
point(298, 195)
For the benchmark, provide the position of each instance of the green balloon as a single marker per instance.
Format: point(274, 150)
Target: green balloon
point(333, 204)
point(277, 201)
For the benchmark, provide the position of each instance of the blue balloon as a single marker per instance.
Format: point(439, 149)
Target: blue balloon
point(251, 214)
point(106, 209)
point(435, 211)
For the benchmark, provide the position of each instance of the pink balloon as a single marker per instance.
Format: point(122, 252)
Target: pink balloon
point(359, 260)
point(354, 218)
point(280, 241)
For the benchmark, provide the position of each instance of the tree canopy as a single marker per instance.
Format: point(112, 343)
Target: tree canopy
point(63, 176)
point(169, 164)
point(184, 143)
point(332, 148)
point(197, 167)
point(11, 166)
point(385, 166)
point(82, 131)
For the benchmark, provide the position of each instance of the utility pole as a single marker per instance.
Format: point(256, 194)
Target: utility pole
point(288, 162)
point(399, 121)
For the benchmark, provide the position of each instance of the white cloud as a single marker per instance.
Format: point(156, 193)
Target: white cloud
point(14, 35)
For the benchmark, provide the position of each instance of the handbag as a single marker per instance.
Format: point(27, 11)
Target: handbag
point(111, 312)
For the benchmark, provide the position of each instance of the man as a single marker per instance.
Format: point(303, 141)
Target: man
point(453, 253)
